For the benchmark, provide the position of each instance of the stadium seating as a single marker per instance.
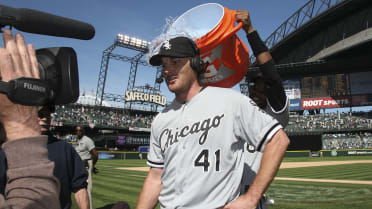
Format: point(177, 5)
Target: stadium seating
point(347, 141)
point(101, 116)
point(339, 130)
point(328, 122)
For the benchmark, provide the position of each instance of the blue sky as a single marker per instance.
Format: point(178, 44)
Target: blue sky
point(141, 19)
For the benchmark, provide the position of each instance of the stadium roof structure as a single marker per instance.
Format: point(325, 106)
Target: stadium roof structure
point(343, 17)
point(321, 67)
point(90, 100)
point(337, 40)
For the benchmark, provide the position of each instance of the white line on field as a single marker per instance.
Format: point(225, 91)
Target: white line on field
point(325, 180)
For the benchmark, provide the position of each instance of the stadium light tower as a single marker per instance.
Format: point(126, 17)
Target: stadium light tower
point(132, 43)
point(127, 42)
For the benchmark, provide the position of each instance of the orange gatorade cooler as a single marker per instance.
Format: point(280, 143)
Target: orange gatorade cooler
point(213, 28)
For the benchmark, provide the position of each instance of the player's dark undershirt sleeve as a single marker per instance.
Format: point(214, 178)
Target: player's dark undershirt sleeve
point(274, 90)
point(274, 87)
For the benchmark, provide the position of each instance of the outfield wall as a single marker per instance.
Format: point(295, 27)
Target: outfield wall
point(303, 153)
point(329, 153)
point(109, 155)
point(305, 142)
point(354, 152)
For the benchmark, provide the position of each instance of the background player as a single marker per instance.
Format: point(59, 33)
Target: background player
point(197, 143)
point(266, 90)
point(86, 149)
point(69, 168)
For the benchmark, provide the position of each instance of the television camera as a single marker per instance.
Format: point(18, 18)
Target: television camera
point(59, 78)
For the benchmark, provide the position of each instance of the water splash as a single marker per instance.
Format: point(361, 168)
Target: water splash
point(194, 24)
point(171, 30)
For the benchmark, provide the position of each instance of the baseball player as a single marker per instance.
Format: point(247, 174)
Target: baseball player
point(197, 142)
point(266, 90)
point(87, 151)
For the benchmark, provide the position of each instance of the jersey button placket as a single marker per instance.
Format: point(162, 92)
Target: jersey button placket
point(185, 147)
point(182, 152)
point(184, 122)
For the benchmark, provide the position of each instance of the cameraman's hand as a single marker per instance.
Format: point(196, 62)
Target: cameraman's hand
point(17, 60)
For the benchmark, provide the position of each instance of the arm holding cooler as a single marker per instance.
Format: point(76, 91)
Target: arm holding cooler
point(274, 90)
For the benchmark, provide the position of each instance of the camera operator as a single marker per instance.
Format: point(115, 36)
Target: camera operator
point(68, 166)
point(31, 183)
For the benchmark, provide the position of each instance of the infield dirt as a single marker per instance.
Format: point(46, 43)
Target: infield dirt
point(297, 165)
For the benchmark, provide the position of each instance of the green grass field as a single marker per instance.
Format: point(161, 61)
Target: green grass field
point(112, 185)
point(297, 194)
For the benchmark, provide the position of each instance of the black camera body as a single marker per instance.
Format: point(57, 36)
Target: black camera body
point(59, 69)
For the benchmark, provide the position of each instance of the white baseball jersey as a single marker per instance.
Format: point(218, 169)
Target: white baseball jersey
point(200, 146)
point(253, 157)
point(84, 146)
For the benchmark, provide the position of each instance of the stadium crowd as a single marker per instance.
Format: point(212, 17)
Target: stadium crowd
point(100, 116)
point(327, 122)
point(347, 141)
point(120, 118)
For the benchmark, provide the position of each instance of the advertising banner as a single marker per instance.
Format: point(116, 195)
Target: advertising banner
point(325, 86)
point(338, 153)
point(105, 156)
point(295, 104)
point(131, 96)
point(143, 149)
point(361, 83)
point(139, 129)
point(362, 100)
point(328, 102)
point(292, 88)
point(121, 140)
